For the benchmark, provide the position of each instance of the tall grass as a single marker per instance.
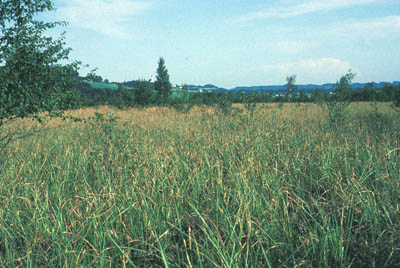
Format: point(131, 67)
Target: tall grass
point(156, 188)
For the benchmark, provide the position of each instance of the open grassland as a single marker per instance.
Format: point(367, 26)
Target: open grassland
point(102, 85)
point(157, 188)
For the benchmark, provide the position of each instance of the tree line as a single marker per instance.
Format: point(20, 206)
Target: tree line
point(145, 94)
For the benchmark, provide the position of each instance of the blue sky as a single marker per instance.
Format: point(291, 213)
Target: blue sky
point(235, 42)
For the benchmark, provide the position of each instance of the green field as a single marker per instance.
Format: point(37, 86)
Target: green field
point(157, 188)
point(104, 85)
point(177, 92)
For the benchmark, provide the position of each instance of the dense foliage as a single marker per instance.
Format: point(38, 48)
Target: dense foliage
point(144, 94)
point(31, 78)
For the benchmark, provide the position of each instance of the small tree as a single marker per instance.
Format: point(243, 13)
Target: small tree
point(250, 102)
point(162, 84)
point(291, 88)
point(224, 104)
point(320, 96)
point(123, 98)
point(144, 93)
point(343, 89)
point(31, 79)
point(303, 96)
point(341, 98)
point(93, 76)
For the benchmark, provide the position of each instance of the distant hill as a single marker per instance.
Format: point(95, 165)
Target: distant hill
point(205, 88)
point(311, 87)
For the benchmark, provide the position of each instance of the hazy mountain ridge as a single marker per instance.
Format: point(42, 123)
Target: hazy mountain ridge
point(274, 88)
point(327, 86)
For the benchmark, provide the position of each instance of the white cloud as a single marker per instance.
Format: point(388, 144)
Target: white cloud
point(108, 17)
point(386, 27)
point(304, 7)
point(294, 47)
point(320, 70)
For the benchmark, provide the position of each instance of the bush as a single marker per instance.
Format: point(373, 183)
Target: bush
point(144, 94)
point(125, 98)
point(250, 103)
point(341, 98)
point(224, 105)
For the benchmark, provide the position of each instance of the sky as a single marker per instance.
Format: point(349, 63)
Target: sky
point(232, 43)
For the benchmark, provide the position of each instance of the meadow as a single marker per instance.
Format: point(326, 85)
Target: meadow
point(280, 187)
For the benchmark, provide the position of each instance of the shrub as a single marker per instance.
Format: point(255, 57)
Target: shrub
point(341, 98)
point(224, 105)
point(144, 94)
